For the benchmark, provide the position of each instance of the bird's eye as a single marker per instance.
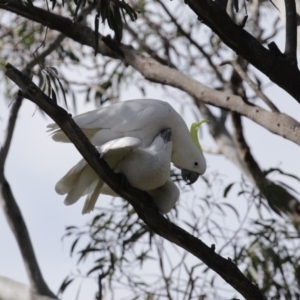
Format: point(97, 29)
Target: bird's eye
point(196, 164)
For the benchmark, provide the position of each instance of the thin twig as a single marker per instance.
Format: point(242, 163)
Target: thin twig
point(39, 58)
point(10, 130)
point(193, 42)
point(279, 199)
point(9, 204)
point(13, 213)
point(143, 45)
point(254, 86)
point(290, 30)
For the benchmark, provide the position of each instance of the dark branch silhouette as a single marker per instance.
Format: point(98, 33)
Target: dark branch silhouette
point(291, 30)
point(141, 202)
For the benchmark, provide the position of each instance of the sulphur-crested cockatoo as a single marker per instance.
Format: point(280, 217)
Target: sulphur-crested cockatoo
point(147, 169)
point(143, 119)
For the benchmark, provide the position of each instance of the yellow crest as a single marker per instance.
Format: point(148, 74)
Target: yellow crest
point(194, 133)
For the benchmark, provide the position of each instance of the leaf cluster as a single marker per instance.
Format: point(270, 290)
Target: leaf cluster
point(271, 258)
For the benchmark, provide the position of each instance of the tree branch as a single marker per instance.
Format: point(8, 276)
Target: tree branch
point(193, 42)
point(283, 71)
point(254, 87)
point(8, 202)
point(10, 130)
point(75, 30)
point(141, 202)
point(291, 30)
point(222, 138)
point(238, 152)
point(14, 290)
point(14, 216)
point(278, 197)
point(58, 40)
point(143, 45)
point(278, 123)
point(18, 227)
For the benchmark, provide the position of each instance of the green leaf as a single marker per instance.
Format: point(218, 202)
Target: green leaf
point(53, 96)
point(233, 209)
point(97, 267)
point(227, 189)
point(65, 284)
point(73, 246)
point(63, 91)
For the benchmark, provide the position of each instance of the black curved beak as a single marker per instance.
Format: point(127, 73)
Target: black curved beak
point(189, 176)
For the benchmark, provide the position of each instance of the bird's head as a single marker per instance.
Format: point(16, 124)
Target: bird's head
point(195, 158)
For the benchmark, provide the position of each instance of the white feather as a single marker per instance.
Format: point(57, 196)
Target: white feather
point(145, 169)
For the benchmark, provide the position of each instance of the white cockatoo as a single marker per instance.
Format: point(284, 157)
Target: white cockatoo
point(143, 119)
point(147, 169)
point(123, 130)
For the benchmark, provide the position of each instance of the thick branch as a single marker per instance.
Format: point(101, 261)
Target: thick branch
point(281, 70)
point(75, 30)
point(278, 123)
point(139, 200)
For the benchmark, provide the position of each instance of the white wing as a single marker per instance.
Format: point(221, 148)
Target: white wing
point(82, 180)
point(142, 119)
point(126, 116)
point(116, 150)
point(145, 168)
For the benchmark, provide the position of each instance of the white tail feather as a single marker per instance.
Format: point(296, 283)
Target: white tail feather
point(91, 199)
point(78, 185)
